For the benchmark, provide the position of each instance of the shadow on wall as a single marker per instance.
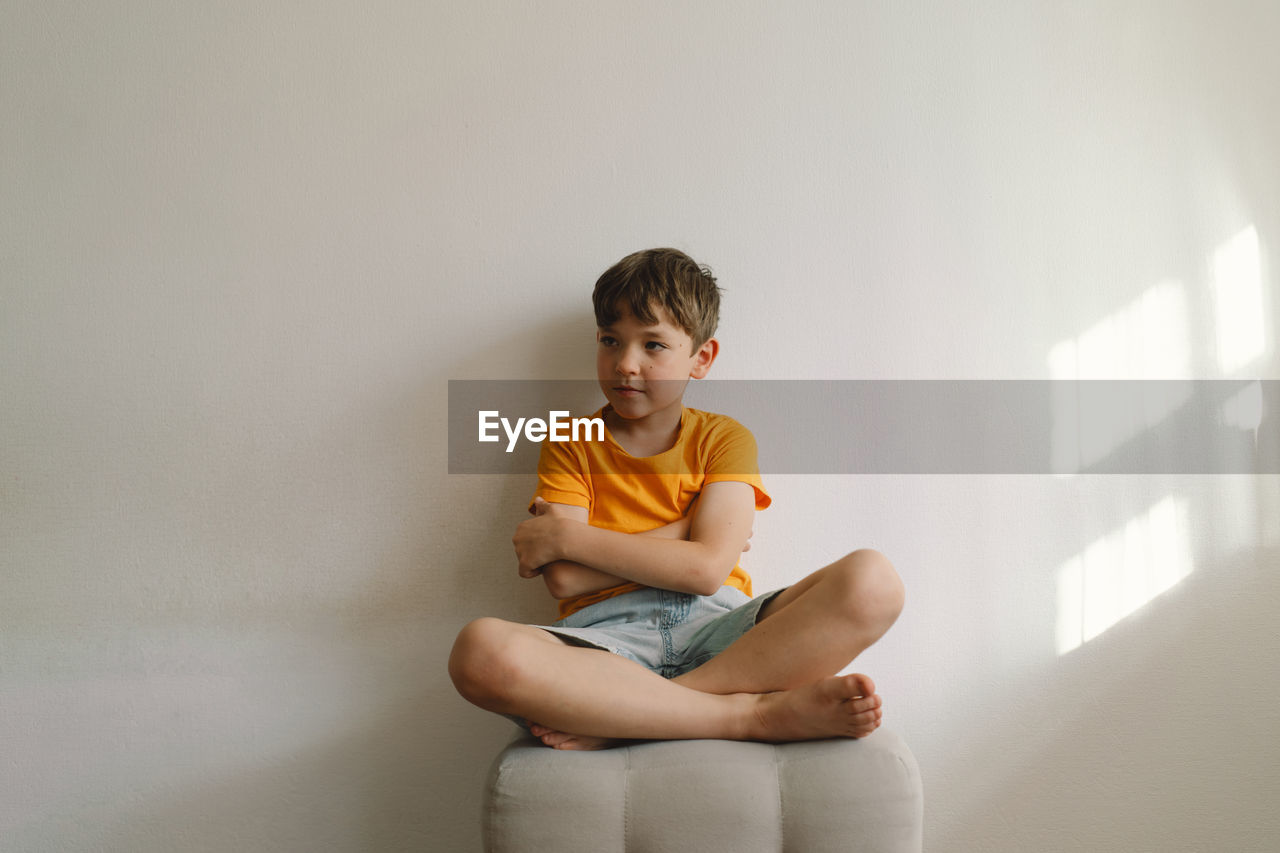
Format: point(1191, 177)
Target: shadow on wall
point(406, 767)
point(472, 566)
point(481, 571)
point(307, 697)
point(455, 548)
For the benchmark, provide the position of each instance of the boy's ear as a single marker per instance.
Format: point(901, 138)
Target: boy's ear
point(703, 358)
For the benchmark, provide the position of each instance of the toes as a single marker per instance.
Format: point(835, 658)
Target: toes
point(573, 743)
point(864, 724)
point(578, 742)
point(865, 715)
point(554, 739)
point(869, 715)
point(853, 686)
point(843, 688)
point(864, 704)
point(862, 685)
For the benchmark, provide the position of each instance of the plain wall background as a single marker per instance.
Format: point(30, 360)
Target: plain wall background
point(244, 246)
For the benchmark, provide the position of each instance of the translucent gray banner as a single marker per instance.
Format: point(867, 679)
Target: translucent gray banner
point(914, 426)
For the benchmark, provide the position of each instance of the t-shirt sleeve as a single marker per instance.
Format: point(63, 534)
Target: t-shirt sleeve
point(734, 457)
point(562, 476)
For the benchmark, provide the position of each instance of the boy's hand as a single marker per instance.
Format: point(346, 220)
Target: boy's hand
point(541, 508)
point(546, 545)
point(566, 578)
point(539, 541)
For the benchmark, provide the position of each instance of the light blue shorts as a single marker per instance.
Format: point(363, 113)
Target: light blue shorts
point(668, 632)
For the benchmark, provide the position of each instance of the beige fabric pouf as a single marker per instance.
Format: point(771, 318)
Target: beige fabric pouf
point(854, 796)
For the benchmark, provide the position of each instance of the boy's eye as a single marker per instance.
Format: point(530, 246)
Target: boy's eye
point(655, 345)
point(607, 341)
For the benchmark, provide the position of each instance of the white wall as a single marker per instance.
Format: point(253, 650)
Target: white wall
point(243, 247)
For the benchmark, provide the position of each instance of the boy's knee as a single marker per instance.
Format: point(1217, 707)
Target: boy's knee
point(479, 659)
point(872, 591)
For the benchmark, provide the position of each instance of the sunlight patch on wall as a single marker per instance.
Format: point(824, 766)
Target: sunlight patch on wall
point(1121, 572)
point(1146, 339)
point(1238, 300)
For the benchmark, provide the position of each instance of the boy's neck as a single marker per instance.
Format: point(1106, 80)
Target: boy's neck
point(647, 436)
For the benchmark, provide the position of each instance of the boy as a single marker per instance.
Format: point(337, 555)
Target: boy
point(638, 536)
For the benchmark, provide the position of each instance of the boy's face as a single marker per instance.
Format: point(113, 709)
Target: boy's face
point(643, 369)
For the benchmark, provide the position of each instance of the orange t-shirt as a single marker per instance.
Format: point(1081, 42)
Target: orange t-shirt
point(633, 494)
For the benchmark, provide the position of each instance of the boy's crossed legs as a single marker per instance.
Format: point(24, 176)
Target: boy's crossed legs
point(774, 683)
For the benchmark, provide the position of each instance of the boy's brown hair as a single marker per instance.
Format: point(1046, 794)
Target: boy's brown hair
point(666, 277)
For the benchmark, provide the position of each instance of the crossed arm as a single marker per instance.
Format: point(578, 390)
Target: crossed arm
point(694, 554)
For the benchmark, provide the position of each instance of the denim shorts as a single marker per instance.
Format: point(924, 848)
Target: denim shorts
point(668, 632)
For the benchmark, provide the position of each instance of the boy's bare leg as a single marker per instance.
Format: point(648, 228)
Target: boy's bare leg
point(810, 630)
point(526, 672)
point(806, 634)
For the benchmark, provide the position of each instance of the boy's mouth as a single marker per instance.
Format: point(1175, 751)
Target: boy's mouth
point(627, 390)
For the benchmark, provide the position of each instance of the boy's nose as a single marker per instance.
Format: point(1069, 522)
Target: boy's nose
point(628, 364)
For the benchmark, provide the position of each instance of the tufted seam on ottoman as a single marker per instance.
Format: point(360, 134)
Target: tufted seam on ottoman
point(626, 800)
point(494, 792)
point(777, 781)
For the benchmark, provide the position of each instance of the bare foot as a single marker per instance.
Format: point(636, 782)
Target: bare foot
point(841, 706)
point(562, 740)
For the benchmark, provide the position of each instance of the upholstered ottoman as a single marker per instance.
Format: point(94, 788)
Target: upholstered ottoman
point(706, 795)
